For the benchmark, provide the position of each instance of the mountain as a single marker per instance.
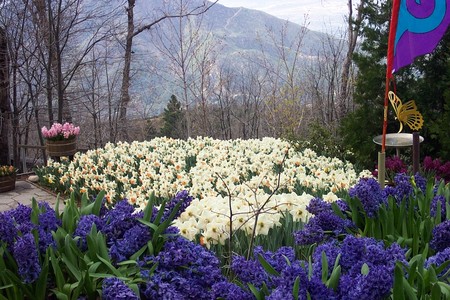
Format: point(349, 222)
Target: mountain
point(245, 29)
point(241, 32)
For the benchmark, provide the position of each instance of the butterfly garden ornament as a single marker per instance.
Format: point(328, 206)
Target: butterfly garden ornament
point(406, 113)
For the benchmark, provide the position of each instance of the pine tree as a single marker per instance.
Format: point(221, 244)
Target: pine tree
point(427, 81)
point(174, 122)
point(359, 127)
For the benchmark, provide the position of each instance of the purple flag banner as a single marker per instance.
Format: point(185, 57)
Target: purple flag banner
point(421, 25)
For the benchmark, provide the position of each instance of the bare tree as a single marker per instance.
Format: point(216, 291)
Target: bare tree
point(49, 44)
point(204, 68)
point(284, 107)
point(4, 98)
point(323, 81)
point(224, 101)
point(249, 101)
point(354, 24)
point(133, 31)
point(190, 55)
point(67, 33)
point(14, 19)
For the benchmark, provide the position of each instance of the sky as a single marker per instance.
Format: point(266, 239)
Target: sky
point(322, 15)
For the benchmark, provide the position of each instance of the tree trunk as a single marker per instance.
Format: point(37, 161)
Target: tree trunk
point(5, 109)
point(125, 89)
point(353, 31)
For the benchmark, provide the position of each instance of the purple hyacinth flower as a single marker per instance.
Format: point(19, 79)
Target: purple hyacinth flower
point(439, 199)
point(26, 256)
point(7, 230)
point(317, 206)
point(114, 289)
point(441, 236)
point(182, 197)
point(438, 259)
point(84, 227)
point(369, 192)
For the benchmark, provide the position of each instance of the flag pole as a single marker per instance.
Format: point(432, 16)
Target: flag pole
point(389, 78)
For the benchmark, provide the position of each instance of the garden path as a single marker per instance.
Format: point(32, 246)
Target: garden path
point(24, 192)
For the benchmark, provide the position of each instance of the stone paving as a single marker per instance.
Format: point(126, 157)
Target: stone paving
point(24, 192)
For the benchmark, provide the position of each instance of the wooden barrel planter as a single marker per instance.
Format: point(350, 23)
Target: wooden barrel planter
point(62, 148)
point(7, 183)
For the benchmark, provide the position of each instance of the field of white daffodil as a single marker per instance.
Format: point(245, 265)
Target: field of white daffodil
point(238, 177)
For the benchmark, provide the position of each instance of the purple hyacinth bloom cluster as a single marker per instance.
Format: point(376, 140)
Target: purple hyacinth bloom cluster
point(438, 259)
point(182, 197)
point(8, 230)
point(317, 206)
point(325, 224)
point(403, 187)
point(355, 252)
point(249, 271)
point(369, 192)
point(21, 214)
point(84, 227)
point(114, 289)
point(118, 220)
point(421, 182)
point(26, 256)
point(375, 285)
point(283, 261)
point(132, 240)
point(16, 231)
point(184, 270)
point(125, 235)
point(285, 282)
point(230, 291)
point(434, 203)
point(321, 227)
point(441, 236)
point(343, 206)
point(47, 222)
point(331, 250)
point(309, 235)
point(279, 259)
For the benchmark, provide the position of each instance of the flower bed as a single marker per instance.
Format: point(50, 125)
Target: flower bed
point(272, 238)
point(243, 173)
point(373, 244)
point(205, 167)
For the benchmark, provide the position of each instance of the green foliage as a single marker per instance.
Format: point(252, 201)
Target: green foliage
point(277, 237)
point(426, 81)
point(151, 131)
point(174, 122)
point(407, 222)
point(415, 281)
point(359, 127)
point(433, 99)
point(67, 271)
point(323, 141)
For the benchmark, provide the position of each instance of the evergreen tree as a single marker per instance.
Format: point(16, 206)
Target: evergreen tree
point(151, 131)
point(433, 100)
point(427, 78)
point(359, 127)
point(173, 118)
